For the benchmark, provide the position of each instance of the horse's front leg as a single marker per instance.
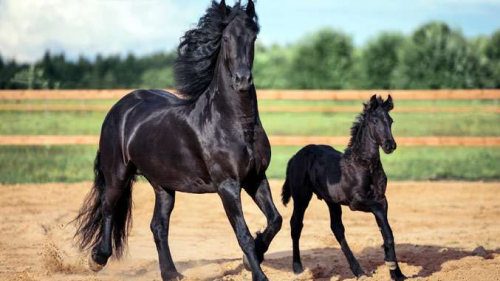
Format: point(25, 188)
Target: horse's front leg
point(230, 193)
point(380, 212)
point(261, 194)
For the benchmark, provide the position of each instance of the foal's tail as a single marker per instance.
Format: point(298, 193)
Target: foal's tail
point(89, 229)
point(286, 192)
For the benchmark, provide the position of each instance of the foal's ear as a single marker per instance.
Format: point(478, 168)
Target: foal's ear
point(223, 7)
point(373, 103)
point(388, 104)
point(250, 9)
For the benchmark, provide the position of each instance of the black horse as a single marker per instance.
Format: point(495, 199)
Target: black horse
point(211, 141)
point(355, 178)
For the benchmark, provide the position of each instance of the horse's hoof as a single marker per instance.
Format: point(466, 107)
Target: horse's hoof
point(397, 275)
point(246, 264)
point(297, 268)
point(95, 267)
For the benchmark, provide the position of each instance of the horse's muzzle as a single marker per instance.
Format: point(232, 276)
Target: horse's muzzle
point(243, 81)
point(389, 146)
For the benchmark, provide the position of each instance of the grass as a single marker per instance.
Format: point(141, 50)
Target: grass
point(75, 163)
point(324, 124)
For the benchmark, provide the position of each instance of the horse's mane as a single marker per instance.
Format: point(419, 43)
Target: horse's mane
point(358, 123)
point(199, 48)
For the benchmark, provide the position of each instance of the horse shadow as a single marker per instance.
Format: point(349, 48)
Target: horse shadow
point(326, 263)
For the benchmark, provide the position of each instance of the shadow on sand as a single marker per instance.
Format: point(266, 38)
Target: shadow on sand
point(328, 262)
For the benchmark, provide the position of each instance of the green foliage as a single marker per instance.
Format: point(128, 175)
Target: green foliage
point(379, 60)
point(272, 67)
point(32, 78)
point(435, 56)
point(323, 60)
point(492, 50)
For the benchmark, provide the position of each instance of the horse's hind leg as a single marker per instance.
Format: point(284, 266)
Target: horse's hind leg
point(300, 204)
point(262, 197)
point(164, 204)
point(338, 230)
point(115, 210)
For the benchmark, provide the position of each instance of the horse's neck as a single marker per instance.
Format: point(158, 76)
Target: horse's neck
point(231, 106)
point(364, 151)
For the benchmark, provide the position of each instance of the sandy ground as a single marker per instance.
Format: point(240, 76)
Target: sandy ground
point(437, 226)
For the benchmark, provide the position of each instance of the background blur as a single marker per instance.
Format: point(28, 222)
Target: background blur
point(323, 44)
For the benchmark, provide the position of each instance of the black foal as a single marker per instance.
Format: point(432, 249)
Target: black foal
point(355, 178)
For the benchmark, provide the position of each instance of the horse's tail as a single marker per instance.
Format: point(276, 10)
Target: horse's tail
point(89, 229)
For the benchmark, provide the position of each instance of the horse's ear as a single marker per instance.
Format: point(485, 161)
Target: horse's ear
point(388, 104)
point(373, 103)
point(223, 7)
point(250, 9)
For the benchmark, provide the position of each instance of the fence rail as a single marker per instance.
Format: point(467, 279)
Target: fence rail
point(332, 95)
point(275, 141)
point(265, 108)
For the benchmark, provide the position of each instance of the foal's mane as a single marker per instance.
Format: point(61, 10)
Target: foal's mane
point(199, 48)
point(357, 126)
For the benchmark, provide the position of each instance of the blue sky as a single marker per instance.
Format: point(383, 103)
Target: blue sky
point(88, 27)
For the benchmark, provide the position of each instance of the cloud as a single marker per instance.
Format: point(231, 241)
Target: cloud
point(29, 27)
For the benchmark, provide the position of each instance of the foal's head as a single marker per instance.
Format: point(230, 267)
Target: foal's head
point(224, 36)
point(379, 122)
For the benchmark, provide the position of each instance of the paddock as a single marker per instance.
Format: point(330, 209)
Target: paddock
point(438, 227)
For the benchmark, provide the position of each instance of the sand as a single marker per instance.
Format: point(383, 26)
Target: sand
point(437, 226)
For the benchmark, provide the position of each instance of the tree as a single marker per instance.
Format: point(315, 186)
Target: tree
point(323, 61)
point(492, 51)
point(271, 68)
point(437, 57)
point(379, 60)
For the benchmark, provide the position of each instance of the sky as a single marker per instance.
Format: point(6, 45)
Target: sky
point(87, 27)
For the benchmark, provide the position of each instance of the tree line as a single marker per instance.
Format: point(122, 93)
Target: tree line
point(434, 56)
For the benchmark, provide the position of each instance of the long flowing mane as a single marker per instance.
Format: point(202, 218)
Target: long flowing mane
point(199, 48)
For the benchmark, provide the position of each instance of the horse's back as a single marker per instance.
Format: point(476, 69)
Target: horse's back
point(159, 96)
point(316, 166)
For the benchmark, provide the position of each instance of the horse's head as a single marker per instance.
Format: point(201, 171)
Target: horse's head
point(380, 122)
point(237, 46)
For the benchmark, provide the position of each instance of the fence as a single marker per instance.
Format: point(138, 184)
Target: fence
point(306, 95)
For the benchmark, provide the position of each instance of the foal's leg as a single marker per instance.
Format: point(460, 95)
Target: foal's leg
point(338, 230)
point(264, 200)
point(230, 193)
point(296, 224)
point(380, 212)
point(164, 204)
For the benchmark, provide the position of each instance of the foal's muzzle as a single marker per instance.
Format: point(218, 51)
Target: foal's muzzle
point(389, 146)
point(243, 80)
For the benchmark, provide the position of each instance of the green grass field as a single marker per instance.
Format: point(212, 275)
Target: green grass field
point(324, 124)
point(74, 163)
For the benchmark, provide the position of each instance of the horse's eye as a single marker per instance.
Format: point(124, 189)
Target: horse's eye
point(374, 120)
point(226, 39)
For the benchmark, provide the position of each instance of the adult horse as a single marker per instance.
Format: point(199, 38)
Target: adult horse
point(212, 141)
